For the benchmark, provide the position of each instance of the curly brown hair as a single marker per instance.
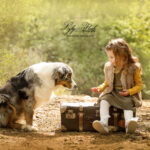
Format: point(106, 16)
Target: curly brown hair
point(121, 51)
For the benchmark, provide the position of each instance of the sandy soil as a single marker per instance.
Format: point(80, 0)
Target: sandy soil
point(49, 137)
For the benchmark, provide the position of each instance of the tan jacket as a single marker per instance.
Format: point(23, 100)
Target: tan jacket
point(130, 79)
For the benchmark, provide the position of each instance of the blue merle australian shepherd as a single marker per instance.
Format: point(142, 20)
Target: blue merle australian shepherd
point(29, 89)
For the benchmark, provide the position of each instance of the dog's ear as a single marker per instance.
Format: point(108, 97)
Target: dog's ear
point(62, 72)
point(59, 73)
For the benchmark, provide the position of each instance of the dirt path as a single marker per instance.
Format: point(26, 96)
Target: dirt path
point(49, 137)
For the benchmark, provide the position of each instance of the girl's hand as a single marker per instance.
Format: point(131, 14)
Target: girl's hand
point(95, 89)
point(124, 93)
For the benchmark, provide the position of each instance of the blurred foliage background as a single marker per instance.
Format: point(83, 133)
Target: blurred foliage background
point(32, 31)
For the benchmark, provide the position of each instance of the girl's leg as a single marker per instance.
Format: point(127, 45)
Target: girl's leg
point(130, 121)
point(104, 112)
point(102, 125)
point(128, 115)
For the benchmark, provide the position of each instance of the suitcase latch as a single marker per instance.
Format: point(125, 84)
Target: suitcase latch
point(70, 115)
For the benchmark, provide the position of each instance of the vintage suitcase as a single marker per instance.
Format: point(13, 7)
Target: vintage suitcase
point(79, 117)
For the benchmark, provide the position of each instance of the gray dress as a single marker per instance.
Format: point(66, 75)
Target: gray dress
point(115, 99)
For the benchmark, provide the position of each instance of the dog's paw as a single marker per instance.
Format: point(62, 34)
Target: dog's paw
point(27, 128)
point(34, 129)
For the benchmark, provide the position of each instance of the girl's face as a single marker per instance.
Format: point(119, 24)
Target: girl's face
point(111, 57)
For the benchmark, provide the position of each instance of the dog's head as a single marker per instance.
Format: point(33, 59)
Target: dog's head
point(63, 76)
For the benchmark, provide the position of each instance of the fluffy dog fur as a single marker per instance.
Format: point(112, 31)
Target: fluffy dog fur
point(29, 89)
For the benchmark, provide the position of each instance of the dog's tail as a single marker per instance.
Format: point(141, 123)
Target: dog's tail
point(7, 111)
point(3, 99)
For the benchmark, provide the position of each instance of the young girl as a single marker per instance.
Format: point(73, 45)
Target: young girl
point(121, 87)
